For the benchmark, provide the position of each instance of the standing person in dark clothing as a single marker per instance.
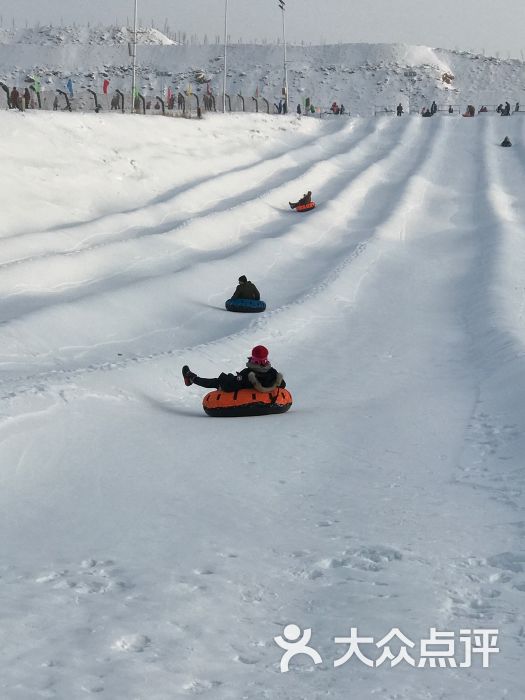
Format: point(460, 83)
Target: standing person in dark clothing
point(14, 98)
point(246, 290)
point(299, 108)
point(399, 109)
point(27, 98)
point(305, 199)
point(433, 107)
point(258, 374)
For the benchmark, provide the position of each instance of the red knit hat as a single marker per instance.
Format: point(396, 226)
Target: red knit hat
point(259, 355)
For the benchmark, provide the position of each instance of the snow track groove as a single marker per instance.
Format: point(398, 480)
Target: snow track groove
point(195, 200)
point(363, 177)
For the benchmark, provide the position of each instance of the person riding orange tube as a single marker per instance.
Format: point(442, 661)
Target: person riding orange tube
point(305, 199)
point(258, 374)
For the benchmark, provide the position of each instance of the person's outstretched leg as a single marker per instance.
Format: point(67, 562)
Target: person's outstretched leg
point(191, 378)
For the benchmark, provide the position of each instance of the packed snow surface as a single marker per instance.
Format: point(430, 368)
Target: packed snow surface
point(149, 552)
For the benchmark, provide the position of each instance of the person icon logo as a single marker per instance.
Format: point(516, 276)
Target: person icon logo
point(295, 642)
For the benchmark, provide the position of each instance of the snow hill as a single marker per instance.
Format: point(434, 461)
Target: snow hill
point(364, 77)
point(150, 552)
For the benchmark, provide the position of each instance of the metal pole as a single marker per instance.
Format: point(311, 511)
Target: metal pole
point(225, 43)
point(134, 60)
point(285, 69)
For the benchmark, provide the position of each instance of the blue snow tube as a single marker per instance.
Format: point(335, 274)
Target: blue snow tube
point(245, 306)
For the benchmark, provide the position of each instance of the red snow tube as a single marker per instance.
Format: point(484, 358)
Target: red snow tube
point(305, 207)
point(246, 402)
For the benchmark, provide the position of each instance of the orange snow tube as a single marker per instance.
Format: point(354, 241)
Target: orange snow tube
point(246, 402)
point(305, 207)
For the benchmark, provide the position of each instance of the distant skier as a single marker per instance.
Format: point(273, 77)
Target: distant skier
point(246, 290)
point(258, 374)
point(299, 108)
point(517, 107)
point(450, 109)
point(506, 142)
point(399, 109)
point(433, 107)
point(305, 199)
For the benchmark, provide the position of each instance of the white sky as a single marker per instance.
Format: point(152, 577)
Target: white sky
point(464, 24)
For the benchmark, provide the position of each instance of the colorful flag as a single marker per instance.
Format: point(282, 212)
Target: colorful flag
point(105, 86)
point(36, 85)
point(69, 86)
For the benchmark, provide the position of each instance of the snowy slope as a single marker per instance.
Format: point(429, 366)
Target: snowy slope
point(151, 552)
point(361, 76)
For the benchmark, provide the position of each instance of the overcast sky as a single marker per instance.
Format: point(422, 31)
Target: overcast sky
point(495, 26)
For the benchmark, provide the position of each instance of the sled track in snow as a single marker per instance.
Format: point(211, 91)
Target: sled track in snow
point(384, 166)
point(161, 216)
point(348, 231)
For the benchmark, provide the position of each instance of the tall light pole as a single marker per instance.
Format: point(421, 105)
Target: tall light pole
point(282, 3)
point(134, 59)
point(225, 44)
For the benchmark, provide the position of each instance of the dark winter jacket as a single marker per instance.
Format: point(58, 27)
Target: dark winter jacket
point(305, 199)
point(264, 379)
point(246, 290)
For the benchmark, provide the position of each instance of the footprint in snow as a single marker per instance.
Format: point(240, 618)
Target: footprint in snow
point(132, 642)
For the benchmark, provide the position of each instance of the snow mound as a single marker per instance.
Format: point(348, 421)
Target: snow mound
point(101, 36)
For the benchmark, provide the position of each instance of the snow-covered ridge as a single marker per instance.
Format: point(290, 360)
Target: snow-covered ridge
point(60, 36)
point(361, 76)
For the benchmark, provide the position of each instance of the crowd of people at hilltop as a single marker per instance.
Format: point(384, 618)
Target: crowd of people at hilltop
point(18, 99)
point(503, 109)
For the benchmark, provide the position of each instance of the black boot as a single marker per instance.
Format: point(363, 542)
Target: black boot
point(188, 375)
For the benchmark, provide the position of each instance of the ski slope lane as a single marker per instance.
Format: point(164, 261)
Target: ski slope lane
point(130, 274)
point(149, 551)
